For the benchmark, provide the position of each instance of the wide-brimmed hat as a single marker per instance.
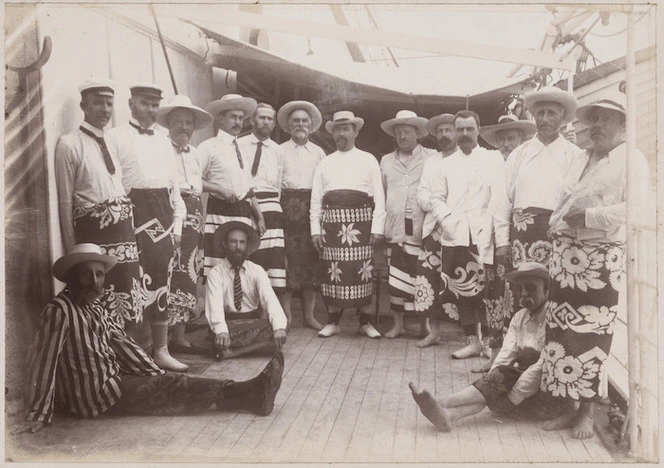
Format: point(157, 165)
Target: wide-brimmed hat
point(287, 109)
point(406, 117)
point(344, 117)
point(507, 122)
point(553, 94)
point(528, 270)
point(201, 118)
point(81, 253)
point(146, 89)
point(233, 102)
point(615, 101)
point(253, 239)
point(433, 123)
point(100, 86)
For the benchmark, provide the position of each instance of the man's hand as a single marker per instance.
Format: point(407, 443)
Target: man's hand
point(261, 226)
point(576, 220)
point(317, 240)
point(176, 241)
point(376, 239)
point(280, 338)
point(222, 341)
point(28, 426)
point(570, 135)
point(504, 254)
point(226, 194)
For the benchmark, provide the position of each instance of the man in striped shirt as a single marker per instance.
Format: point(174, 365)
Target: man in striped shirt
point(88, 364)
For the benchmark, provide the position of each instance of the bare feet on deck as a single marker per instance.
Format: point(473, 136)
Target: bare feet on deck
point(431, 409)
point(564, 421)
point(312, 323)
point(395, 332)
point(583, 429)
point(430, 340)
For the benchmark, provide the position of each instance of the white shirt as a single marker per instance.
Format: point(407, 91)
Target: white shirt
point(602, 192)
point(148, 163)
point(271, 166)
point(348, 170)
point(82, 177)
point(189, 175)
point(534, 177)
point(256, 294)
point(300, 163)
point(455, 192)
point(220, 164)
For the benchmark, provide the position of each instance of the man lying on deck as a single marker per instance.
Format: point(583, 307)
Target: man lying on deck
point(511, 387)
point(83, 361)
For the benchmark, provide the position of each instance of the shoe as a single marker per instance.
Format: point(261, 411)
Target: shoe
point(169, 363)
point(329, 330)
point(473, 348)
point(369, 330)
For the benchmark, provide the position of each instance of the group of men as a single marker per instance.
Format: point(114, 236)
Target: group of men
point(466, 230)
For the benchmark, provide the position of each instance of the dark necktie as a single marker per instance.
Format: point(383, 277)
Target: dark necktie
point(141, 130)
point(104, 149)
point(237, 289)
point(239, 155)
point(257, 158)
point(179, 149)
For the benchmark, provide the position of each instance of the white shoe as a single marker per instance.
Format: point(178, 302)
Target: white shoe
point(369, 330)
point(329, 330)
point(472, 349)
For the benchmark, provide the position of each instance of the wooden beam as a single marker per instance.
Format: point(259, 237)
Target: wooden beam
point(353, 49)
point(379, 37)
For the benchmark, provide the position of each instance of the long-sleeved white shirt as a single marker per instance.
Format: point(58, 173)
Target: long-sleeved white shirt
point(300, 163)
point(526, 330)
point(534, 177)
point(602, 192)
point(148, 163)
point(348, 170)
point(220, 164)
point(271, 167)
point(455, 192)
point(257, 293)
point(82, 177)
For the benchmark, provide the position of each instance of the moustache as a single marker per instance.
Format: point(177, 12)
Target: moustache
point(444, 141)
point(526, 301)
point(595, 133)
point(465, 138)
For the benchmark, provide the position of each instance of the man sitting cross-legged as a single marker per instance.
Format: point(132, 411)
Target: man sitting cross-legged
point(511, 386)
point(239, 294)
point(85, 362)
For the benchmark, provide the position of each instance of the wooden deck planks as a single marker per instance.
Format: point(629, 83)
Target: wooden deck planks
point(405, 435)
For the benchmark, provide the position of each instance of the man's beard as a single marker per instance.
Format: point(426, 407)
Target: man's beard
point(527, 303)
point(236, 258)
point(89, 294)
point(445, 142)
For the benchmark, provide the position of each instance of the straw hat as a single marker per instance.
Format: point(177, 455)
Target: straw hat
point(552, 94)
point(344, 117)
point(433, 123)
point(81, 253)
point(233, 102)
point(406, 117)
point(528, 270)
point(253, 239)
point(507, 122)
point(287, 109)
point(201, 118)
point(100, 86)
point(615, 101)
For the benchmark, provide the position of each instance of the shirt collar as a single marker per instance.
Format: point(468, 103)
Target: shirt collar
point(538, 315)
point(616, 152)
point(230, 266)
point(253, 139)
point(99, 133)
point(225, 137)
point(308, 145)
point(136, 122)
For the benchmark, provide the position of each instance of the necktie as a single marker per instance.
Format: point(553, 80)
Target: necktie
point(141, 130)
point(179, 149)
point(239, 155)
point(237, 289)
point(104, 149)
point(257, 158)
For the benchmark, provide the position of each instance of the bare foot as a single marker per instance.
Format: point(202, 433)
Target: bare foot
point(583, 429)
point(425, 328)
point(395, 332)
point(431, 409)
point(486, 367)
point(312, 323)
point(430, 340)
point(564, 421)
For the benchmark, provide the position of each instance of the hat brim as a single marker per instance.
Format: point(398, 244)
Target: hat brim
point(488, 133)
point(583, 112)
point(433, 123)
point(201, 118)
point(517, 276)
point(565, 99)
point(247, 105)
point(357, 121)
point(253, 239)
point(287, 109)
point(419, 123)
point(64, 264)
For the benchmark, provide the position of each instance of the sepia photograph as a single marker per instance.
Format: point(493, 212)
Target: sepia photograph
point(331, 232)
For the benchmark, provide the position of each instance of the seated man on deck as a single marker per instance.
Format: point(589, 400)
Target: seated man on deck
point(85, 362)
point(511, 387)
point(238, 294)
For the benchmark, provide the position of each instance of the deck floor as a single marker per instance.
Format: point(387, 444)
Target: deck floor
point(342, 399)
